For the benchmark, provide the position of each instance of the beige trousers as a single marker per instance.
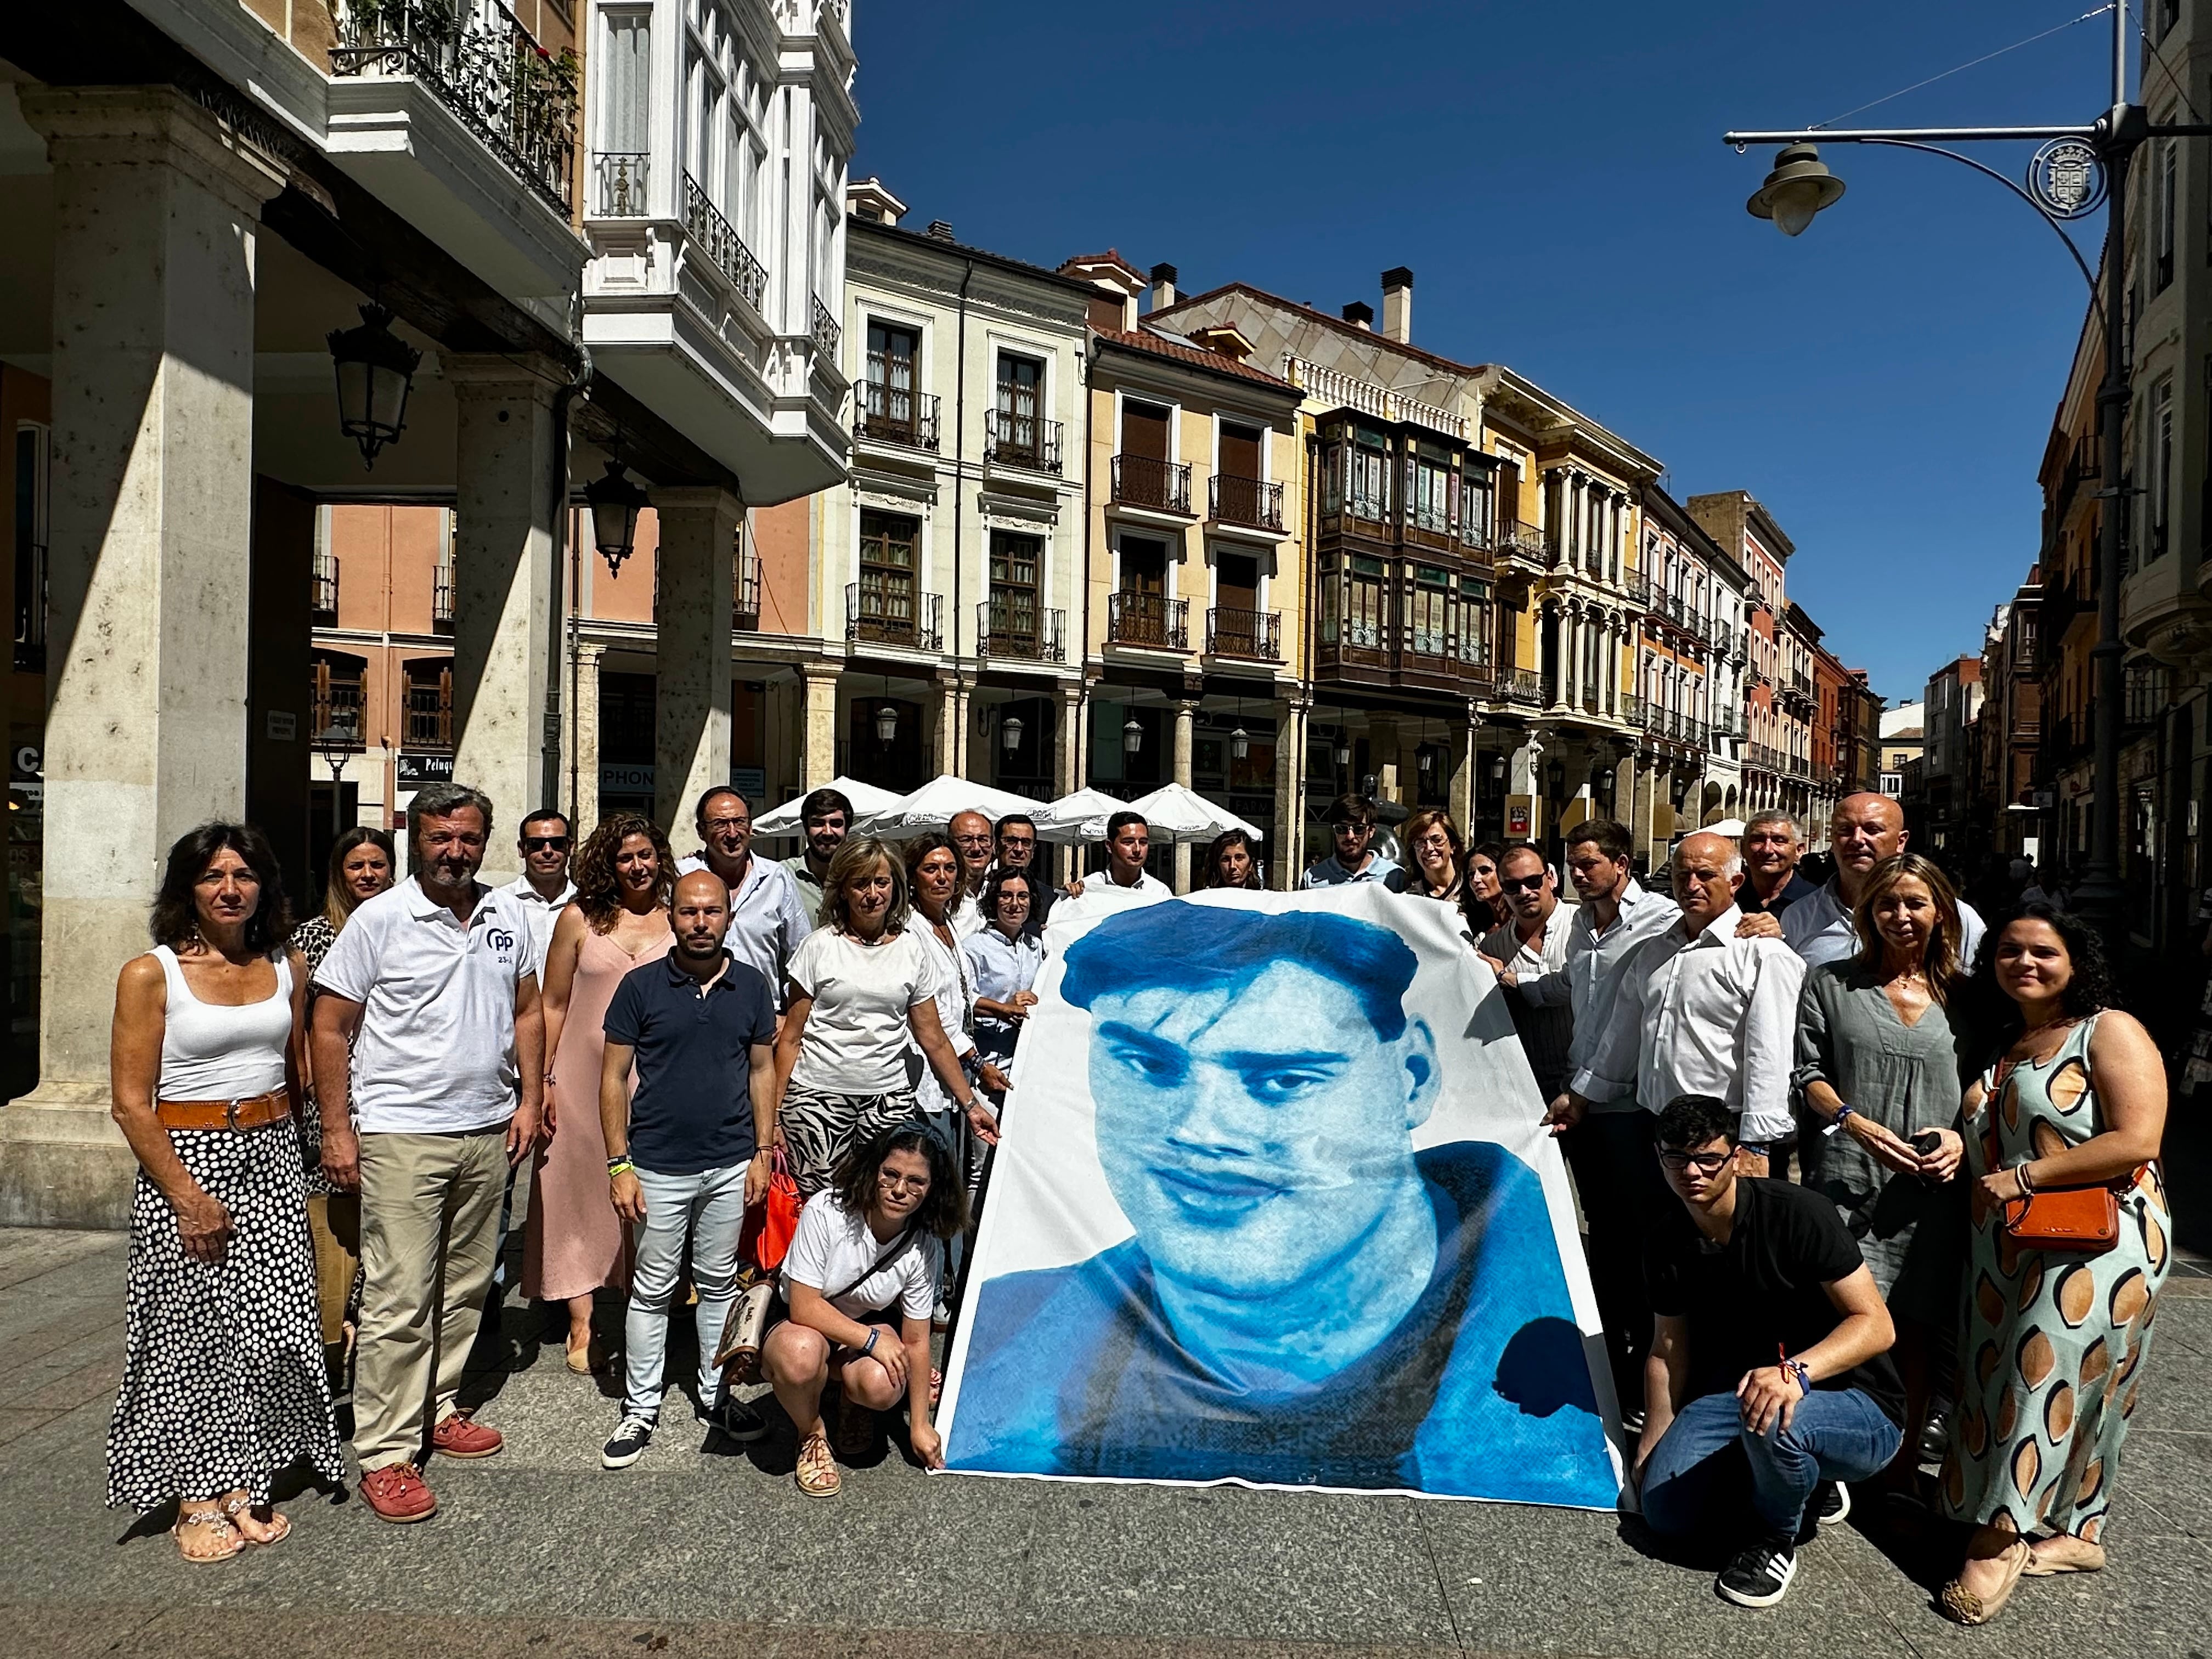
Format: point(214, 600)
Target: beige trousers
point(429, 1228)
point(334, 1223)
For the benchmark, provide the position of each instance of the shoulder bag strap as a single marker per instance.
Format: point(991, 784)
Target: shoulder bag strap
point(898, 1248)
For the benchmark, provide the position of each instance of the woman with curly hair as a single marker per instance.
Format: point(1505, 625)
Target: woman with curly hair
point(573, 1245)
point(861, 1276)
point(223, 1386)
point(2050, 1361)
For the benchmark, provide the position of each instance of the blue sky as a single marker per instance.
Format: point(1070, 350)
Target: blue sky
point(1553, 175)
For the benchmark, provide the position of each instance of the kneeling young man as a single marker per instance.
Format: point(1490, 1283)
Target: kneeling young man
point(1769, 1372)
point(691, 1151)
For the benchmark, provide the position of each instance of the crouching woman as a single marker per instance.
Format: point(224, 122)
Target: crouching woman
point(861, 1278)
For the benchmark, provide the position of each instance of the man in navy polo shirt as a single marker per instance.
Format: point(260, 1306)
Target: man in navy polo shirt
point(688, 1154)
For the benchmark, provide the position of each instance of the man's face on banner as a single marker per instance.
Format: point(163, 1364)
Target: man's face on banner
point(1253, 1134)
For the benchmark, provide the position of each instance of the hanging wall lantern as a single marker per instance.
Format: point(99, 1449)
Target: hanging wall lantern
point(1133, 737)
point(1010, 733)
point(886, 723)
point(375, 370)
point(1240, 744)
point(615, 501)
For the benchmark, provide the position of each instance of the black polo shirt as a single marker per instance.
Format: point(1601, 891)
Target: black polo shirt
point(693, 1106)
point(1748, 902)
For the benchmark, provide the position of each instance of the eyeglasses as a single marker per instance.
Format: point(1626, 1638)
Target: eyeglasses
point(1706, 1162)
point(540, 843)
point(899, 1183)
point(1521, 884)
point(1346, 826)
point(714, 826)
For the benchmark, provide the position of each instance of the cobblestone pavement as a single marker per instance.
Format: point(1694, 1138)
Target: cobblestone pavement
point(539, 1552)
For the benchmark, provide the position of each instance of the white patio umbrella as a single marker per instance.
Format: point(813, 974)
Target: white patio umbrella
point(933, 805)
point(866, 797)
point(1175, 813)
point(1078, 817)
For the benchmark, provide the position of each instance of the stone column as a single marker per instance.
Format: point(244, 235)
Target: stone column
point(505, 598)
point(818, 718)
point(155, 219)
point(1186, 711)
point(584, 720)
point(1625, 775)
point(1287, 858)
point(691, 711)
point(1382, 741)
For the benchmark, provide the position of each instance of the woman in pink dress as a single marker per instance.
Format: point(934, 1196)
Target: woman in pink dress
point(574, 1244)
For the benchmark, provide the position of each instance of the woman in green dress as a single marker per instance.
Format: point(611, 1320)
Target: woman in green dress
point(1878, 1063)
point(2052, 1359)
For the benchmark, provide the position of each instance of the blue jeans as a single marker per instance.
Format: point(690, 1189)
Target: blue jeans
point(708, 1211)
point(1696, 1476)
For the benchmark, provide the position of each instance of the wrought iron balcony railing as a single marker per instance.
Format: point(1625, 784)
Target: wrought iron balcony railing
point(442, 598)
point(1255, 635)
point(1253, 501)
point(721, 245)
point(482, 64)
point(829, 333)
point(1522, 685)
point(324, 598)
point(618, 182)
point(1140, 480)
point(746, 595)
point(1014, 624)
point(893, 415)
point(886, 613)
point(336, 720)
point(1148, 619)
point(1011, 439)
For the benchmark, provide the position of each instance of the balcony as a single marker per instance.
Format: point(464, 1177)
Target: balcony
point(1252, 635)
point(335, 720)
point(1013, 625)
point(485, 67)
point(1522, 685)
point(322, 600)
point(1148, 619)
point(724, 248)
point(442, 598)
point(1012, 440)
point(744, 595)
point(1160, 486)
point(827, 331)
point(1638, 584)
point(880, 613)
point(893, 415)
point(1253, 502)
point(618, 183)
point(1524, 543)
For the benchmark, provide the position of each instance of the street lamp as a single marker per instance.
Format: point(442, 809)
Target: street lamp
point(616, 502)
point(375, 370)
point(2064, 184)
point(1240, 744)
point(1010, 733)
point(1133, 736)
point(886, 723)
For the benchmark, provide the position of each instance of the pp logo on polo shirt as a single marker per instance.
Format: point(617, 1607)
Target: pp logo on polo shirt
point(502, 944)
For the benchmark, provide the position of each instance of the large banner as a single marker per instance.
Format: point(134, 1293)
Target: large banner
point(1275, 1207)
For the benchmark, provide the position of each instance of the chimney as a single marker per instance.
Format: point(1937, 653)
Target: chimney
point(1163, 286)
point(940, 230)
point(1398, 305)
point(1359, 314)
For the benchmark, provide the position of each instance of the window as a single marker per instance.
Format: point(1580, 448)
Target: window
point(1142, 613)
point(430, 712)
point(1428, 626)
point(335, 680)
point(888, 397)
point(1021, 384)
point(886, 609)
point(1014, 592)
point(2169, 162)
point(2161, 466)
point(31, 547)
point(1368, 485)
point(1474, 620)
point(1478, 505)
point(1428, 488)
point(622, 78)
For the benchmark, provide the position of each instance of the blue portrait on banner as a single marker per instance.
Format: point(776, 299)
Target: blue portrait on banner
point(1247, 1225)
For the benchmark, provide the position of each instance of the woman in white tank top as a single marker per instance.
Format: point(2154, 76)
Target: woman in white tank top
point(223, 1382)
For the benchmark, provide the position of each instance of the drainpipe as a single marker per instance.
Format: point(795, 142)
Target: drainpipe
point(560, 637)
point(959, 506)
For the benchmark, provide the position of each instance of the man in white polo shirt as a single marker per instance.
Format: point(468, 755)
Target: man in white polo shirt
point(766, 918)
point(427, 1021)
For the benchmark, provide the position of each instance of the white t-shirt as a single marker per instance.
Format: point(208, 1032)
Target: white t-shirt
point(833, 1247)
point(1145, 883)
point(436, 1048)
point(855, 1039)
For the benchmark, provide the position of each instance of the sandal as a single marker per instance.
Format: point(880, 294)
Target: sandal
point(1963, 1606)
point(936, 1386)
point(817, 1472)
point(2083, 1556)
point(280, 1526)
point(215, 1520)
point(855, 1427)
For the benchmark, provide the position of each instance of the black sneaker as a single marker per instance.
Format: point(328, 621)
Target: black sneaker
point(1832, 1503)
point(734, 1420)
point(628, 1442)
point(1935, 1435)
point(1760, 1574)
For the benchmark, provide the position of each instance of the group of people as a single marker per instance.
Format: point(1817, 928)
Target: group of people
point(658, 1040)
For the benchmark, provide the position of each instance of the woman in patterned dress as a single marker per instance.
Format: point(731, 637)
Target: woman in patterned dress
point(363, 865)
point(573, 1243)
point(2052, 1359)
point(223, 1386)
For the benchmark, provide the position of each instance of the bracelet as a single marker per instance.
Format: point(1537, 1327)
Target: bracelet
point(869, 1346)
point(1836, 1122)
point(1796, 1368)
point(619, 1166)
point(2022, 1173)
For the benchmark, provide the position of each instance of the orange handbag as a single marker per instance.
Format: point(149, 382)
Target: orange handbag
point(2085, 1219)
point(770, 1223)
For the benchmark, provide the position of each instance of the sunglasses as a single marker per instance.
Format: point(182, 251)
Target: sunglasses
point(540, 843)
point(1521, 884)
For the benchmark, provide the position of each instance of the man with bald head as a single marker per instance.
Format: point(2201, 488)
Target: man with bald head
point(1703, 1012)
point(689, 1151)
point(1865, 829)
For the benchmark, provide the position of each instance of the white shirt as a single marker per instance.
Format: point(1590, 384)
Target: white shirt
point(857, 1032)
point(1547, 1030)
point(955, 1008)
point(1713, 1015)
point(1590, 983)
point(1147, 882)
point(436, 1048)
point(1818, 927)
point(542, 911)
point(967, 919)
point(832, 1247)
point(767, 919)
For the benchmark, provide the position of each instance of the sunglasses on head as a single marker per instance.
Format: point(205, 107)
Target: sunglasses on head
point(540, 843)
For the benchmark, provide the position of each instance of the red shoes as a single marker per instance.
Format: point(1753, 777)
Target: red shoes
point(397, 1493)
point(457, 1437)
